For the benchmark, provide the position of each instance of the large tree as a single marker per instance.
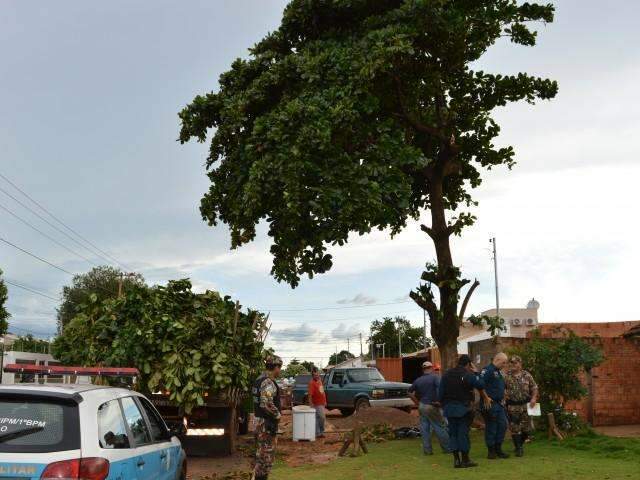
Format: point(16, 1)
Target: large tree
point(341, 356)
point(362, 114)
point(103, 281)
point(391, 331)
point(4, 314)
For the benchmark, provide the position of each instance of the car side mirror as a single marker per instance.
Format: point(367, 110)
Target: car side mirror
point(176, 429)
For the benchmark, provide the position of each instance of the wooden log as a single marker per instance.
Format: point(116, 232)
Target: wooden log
point(345, 447)
point(356, 441)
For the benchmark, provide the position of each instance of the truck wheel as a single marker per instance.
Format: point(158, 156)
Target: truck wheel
point(346, 411)
point(362, 403)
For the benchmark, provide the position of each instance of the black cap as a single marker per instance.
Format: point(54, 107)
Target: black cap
point(464, 360)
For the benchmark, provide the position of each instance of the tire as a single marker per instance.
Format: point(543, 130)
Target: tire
point(346, 412)
point(362, 403)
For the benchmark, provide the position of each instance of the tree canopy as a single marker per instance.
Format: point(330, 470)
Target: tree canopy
point(357, 115)
point(556, 365)
point(295, 368)
point(191, 345)
point(103, 281)
point(341, 356)
point(4, 314)
point(386, 331)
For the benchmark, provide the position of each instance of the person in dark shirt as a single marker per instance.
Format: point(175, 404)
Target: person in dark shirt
point(456, 396)
point(495, 415)
point(424, 393)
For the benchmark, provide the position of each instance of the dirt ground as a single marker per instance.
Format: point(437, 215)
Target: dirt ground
point(322, 451)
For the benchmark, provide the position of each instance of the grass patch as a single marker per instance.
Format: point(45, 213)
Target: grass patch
point(584, 457)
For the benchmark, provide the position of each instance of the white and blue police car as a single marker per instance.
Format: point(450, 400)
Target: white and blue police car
point(87, 432)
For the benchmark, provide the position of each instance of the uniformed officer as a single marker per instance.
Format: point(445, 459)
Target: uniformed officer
point(456, 396)
point(494, 412)
point(266, 401)
point(521, 391)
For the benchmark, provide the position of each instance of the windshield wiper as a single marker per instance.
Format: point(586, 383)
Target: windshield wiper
point(20, 433)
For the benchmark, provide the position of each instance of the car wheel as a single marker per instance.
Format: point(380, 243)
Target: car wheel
point(362, 403)
point(346, 411)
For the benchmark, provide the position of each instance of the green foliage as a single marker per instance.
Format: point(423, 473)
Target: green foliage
point(4, 314)
point(342, 356)
point(386, 331)
point(495, 325)
point(191, 345)
point(29, 343)
point(102, 281)
point(308, 366)
point(556, 365)
point(358, 115)
point(294, 368)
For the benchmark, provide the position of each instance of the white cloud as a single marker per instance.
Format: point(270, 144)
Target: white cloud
point(359, 299)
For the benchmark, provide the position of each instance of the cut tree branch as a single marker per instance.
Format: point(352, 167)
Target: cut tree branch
point(467, 297)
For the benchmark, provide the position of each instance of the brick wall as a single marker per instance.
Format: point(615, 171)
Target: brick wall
point(614, 386)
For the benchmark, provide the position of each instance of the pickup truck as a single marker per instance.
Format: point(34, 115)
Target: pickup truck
point(349, 389)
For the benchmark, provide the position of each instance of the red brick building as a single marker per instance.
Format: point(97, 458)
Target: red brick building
point(614, 386)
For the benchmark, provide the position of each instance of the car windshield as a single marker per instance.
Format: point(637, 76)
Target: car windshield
point(303, 380)
point(365, 375)
point(37, 425)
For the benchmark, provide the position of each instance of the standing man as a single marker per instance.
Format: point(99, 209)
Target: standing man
point(266, 401)
point(522, 390)
point(318, 400)
point(424, 393)
point(456, 396)
point(495, 414)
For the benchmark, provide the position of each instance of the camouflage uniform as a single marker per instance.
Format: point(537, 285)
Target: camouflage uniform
point(267, 407)
point(520, 389)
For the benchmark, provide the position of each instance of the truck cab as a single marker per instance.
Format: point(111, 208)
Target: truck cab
point(350, 389)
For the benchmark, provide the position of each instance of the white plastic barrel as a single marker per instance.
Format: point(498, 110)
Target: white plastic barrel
point(304, 424)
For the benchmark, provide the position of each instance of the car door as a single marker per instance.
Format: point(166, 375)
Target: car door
point(161, 439)
point(335, 391)
point(113, 440)
point(146, 458)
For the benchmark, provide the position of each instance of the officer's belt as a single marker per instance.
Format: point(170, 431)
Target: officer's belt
point(513, 403)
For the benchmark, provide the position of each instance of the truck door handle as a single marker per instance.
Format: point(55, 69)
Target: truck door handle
point(163, 456)
point(141, 463)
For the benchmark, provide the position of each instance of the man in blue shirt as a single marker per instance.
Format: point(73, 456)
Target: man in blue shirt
point(495, 415)
point(424, 393)
point(457, 396)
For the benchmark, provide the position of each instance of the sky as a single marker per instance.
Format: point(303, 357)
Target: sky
point(89, 96)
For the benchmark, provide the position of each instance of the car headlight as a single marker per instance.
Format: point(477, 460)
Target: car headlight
point(377, 393)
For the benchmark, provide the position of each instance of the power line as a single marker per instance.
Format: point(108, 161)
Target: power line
point(102, 254)
point(37, 257)
point(55, 227)
point(32, 290)
point(353, 318)
point(336, 308)
point(47, 236)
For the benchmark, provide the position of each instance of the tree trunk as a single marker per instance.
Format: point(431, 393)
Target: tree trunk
point(445, 328)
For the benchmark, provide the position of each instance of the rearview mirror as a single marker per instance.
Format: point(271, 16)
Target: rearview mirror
point(176, 429)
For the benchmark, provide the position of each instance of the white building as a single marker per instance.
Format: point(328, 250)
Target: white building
point(518, 322)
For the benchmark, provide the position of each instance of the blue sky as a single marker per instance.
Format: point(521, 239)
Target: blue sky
point(90, 93)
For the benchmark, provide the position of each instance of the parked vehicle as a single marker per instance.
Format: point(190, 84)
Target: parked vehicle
point(349, 389)
point(85, 432)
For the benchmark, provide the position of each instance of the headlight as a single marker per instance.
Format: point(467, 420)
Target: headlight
point(377, 393)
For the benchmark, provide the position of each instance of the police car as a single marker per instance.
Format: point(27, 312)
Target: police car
point(89, 432)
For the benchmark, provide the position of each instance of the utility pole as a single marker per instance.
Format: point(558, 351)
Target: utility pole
point(372, 347)
point(336, 356)
point(121, 281)
point(360, 335)
point(399, 341)
point(495, 272)
point(348, 344)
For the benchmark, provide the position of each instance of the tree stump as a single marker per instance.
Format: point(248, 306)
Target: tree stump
point(358, 444)
point(553, 428)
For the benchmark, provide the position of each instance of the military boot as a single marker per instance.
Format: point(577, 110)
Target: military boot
point(500, 453)
point(518, 442)
point(467, 462)
point(456, 459)
point(492, 453)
